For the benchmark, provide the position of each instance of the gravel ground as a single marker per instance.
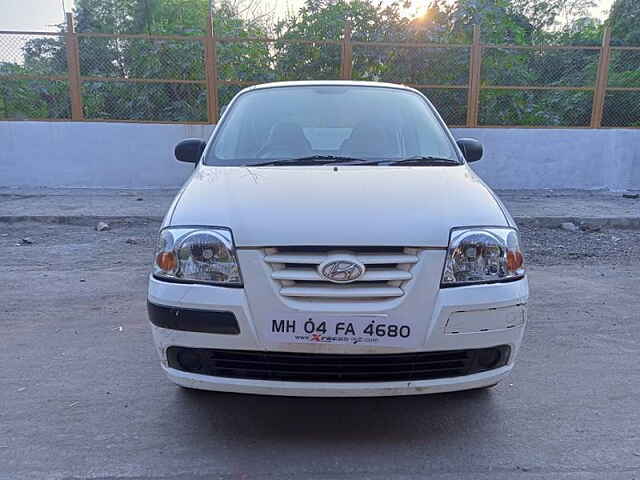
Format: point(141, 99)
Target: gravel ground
point(77, 247)
point(82, 395)
point(554, 246)
point(84, 202)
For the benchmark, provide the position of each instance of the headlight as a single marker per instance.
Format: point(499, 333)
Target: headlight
point(199, 255)
point(483, 255)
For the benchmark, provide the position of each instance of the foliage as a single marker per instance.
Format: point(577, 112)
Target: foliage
point(498, 20)
point(326, 20)
point(624, 71)
point(625, 20)
point(308, 46)
point(31, 99)
point(249, 61)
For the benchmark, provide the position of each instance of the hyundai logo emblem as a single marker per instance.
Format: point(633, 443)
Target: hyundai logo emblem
point(341, 270)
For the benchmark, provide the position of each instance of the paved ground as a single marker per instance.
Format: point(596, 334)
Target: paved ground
point(82, 394)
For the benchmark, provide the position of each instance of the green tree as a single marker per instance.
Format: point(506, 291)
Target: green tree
point(245, 61)
point(323, 20)
point(622, 108)
point(135, 58)
point(308, 47)
point(499, 21)
point(624, 20)
point(31, 99)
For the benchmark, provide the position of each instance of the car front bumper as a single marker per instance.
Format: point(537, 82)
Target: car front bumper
point(471, 317)
point(319, 389)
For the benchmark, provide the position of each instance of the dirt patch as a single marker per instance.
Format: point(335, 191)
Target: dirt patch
point(553, 246)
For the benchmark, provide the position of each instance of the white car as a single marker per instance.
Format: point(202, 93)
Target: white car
point(333, 241)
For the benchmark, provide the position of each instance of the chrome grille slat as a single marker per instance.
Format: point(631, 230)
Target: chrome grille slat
point(315, 259)
point(321, 290)
point(313, 276)
point(387, 269)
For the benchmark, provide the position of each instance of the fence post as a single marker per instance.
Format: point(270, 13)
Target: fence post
point(475, 64)
point(346, 66)
point(211, 70)
point(602, 80)
point(73, 69)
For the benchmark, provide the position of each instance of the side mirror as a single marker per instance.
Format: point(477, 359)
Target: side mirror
point(190, 150)
point(471, 149)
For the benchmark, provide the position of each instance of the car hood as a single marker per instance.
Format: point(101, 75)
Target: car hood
point(341, 206)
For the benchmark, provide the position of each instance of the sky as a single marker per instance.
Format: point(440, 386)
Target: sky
point(44, 15)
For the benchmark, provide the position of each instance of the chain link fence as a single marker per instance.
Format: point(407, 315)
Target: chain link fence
point(537, 86)
point(622, 101)
point(33, 77)
point(441, 72)
point(187, 79)
point(242, 62)
point(142, 78)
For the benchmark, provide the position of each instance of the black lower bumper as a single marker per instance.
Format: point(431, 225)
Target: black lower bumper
point(189, 320)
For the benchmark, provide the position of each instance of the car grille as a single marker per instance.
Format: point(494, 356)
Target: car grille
point(308, 367)
point(387, 270)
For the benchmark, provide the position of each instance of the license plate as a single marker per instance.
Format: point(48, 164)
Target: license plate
point(370, 330)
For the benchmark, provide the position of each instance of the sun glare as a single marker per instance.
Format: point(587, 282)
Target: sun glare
point(419, 9)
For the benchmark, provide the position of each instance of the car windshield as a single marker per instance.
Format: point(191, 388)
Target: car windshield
point(329, 124)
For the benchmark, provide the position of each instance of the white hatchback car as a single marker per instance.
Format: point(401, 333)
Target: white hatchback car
point(333, 241)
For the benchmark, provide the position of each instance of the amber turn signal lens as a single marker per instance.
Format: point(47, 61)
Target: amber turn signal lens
point(167, 261)
point(514, 260)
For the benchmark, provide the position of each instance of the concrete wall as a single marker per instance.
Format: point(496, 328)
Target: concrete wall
point(552, 158)
point(83, 154)
point(70, 154)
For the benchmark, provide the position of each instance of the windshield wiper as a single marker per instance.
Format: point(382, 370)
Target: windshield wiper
point(420, 160)
point(311, 160)
point(332, 159)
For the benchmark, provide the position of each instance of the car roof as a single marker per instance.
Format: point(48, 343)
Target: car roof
point(325, 83)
